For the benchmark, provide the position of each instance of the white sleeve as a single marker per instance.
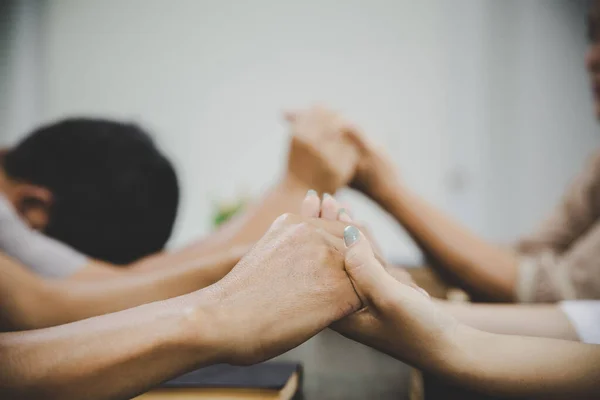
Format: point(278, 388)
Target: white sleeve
point(41, 254)
point(584, 315)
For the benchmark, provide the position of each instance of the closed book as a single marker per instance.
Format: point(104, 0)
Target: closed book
point(273, 380)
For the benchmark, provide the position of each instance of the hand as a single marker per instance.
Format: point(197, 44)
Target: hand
point(375, 171)
point(321, 155)
point(289, 287)
point(399, 318)
point(330, 209)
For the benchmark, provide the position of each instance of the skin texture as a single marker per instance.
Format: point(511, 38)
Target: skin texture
point(101, 287)
point(294, 273)
point(539, 320)
point(404, 322)
point(483, 268)
point(309, 166)
point(320, 157)
point(29, 302)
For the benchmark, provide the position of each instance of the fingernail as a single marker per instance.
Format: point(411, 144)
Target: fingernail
point(342, 211)
point(327, 196)
point(351, 235)
point(311, 192)
point(424, 292)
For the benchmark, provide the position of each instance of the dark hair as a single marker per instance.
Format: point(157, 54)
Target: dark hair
point(115, 196)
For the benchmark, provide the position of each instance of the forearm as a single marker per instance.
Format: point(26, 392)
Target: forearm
point(542, 320)
point(286, 196)
point(89, 298)
point(29, 302)
point(481, 266)
point(113, 356)
point(526, 367)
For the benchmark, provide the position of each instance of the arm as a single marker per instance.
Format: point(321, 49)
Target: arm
point(237, 321)
point(532, 273)
point(320, 157)
point(113, 356)
point(480, 266)
point(407, 325)
point(541, 320)
point(524, 366)
point(28, 302)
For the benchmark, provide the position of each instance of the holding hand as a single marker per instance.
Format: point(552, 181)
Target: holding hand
point(375, 174)
point(398, 318)
point(289, 287)
point(321, 154)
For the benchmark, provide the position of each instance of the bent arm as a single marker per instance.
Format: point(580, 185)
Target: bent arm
point(286, 196)
point(481, 266)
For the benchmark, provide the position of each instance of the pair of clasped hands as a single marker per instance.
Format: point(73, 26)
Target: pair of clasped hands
point(313, 271)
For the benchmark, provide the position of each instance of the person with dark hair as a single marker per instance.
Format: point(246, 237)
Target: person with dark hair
point(101, 186)
point(92, 286)
point(314, 271)
point(104, 189)
point(294, 273)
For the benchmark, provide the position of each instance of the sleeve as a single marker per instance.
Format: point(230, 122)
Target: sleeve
point(41, 254)
point(573, 216)
point(585, 318)
point(550, 260)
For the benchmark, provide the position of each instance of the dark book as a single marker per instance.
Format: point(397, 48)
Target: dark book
point(274, 380)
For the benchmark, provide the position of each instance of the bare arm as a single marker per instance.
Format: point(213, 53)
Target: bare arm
point(481, 266)
point(29, 302)
point(406, 324)
point(320, 157)
point(540, 320)
point(235, 321)
point(113, 356)
point(248, 227)
point(524, 366)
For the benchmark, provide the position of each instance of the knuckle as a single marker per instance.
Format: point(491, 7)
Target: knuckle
point(304, 228)
point(283, 219)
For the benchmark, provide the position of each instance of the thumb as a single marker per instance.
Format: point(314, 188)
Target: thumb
point(366, 272)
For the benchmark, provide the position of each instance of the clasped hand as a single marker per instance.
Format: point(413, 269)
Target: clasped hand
point(307, 273)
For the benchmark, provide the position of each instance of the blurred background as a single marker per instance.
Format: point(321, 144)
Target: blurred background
point(484, 105)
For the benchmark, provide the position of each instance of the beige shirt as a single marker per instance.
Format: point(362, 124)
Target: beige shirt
point(561, 261)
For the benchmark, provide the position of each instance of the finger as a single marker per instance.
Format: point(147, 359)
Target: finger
point(356, 325)
point(344, 216)
point(366, 272)
point(356, 137)
point(345, 205)
point(369, 235)
point(311, 205)
point(335, 228)
point(329, 207)
point(401, 275)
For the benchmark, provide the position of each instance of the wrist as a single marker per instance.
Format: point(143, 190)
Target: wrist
point(462, 362)
point(389, 193)
point(200, 326)
point(292, 183)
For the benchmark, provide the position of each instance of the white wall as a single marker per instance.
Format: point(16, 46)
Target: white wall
point(491, 94)
point(211, 77)
point(20, 60)
point(541, 122)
